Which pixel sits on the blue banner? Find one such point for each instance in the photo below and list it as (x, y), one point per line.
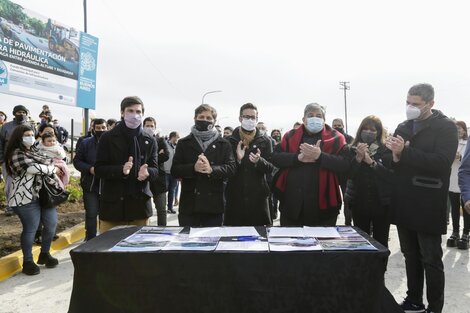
(86, 83)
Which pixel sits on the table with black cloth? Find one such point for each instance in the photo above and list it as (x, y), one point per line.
(251, 282)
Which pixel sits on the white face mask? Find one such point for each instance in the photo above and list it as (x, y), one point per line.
(314, 124)
(248, 124)
(28, 141)
(132, 120)
(262, 132)
(412, 112)
(149, 130)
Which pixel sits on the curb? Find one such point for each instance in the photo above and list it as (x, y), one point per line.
(12, 263)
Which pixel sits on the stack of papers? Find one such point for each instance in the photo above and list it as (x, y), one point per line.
(151, 238)
(148, 239)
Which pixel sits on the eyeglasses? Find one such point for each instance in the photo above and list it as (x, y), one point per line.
(249, 117)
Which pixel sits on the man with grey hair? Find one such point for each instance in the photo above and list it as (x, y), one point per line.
(423, 149)
(309, 159)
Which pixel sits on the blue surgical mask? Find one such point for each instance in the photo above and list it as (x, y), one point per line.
(314, 124)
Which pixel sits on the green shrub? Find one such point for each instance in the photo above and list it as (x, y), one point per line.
(76, 193)
(3, 198)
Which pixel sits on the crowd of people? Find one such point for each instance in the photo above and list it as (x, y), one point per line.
(245, 176)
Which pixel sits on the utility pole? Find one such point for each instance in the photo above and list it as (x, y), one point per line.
(85, 111)
(345, 86)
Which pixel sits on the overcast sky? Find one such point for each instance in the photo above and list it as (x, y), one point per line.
(279, 55)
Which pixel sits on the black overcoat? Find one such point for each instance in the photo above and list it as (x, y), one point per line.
(116, 203)
(202, 193)
(421, 179)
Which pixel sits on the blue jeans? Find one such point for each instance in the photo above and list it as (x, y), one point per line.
(30, 215)
(423, 256)
(91, 201)
(172, 184)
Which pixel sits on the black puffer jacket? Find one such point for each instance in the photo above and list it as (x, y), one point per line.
(369, 189)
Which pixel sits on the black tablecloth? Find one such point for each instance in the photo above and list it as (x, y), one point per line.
(251, 282)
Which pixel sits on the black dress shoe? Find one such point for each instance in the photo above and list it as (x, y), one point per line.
(171, 211)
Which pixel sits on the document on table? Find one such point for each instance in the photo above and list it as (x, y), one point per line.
(293, 244)
(192, 244)
(222, 232)
(348, 233)
(341, 244)
(321, 232)
(148, 238)
(286, 232)
(243, 244)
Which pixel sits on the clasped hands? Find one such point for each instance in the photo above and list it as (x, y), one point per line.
(203, 165)
(143, 170)
(309, 153)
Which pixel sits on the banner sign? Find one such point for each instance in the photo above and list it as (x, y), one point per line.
(43, 59)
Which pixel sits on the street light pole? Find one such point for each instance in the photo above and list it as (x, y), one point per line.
(85, 111)
(204, 95)
(345, 86)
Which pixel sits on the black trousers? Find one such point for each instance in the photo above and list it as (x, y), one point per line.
(376, 226)
(456, 203)
(423, 256)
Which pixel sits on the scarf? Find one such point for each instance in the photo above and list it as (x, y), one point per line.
(373, 147)
(247, 138)
(331, 142)
(22, 159)
(205, 138)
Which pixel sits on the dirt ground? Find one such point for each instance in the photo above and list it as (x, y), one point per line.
(69, 214)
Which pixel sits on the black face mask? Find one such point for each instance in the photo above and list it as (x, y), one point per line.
(368, 137)
(203, 125)
(98, 133)
(20, 118)
(340, 129)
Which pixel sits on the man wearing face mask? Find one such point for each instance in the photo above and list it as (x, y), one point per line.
(126, 163)
(339, 126)
(20, 114)
(158, 187)
(247, 191)
(423, 149)
(84, 161)
(309, 159)
(202, 161)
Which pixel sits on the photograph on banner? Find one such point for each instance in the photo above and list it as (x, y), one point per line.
(44, 59)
